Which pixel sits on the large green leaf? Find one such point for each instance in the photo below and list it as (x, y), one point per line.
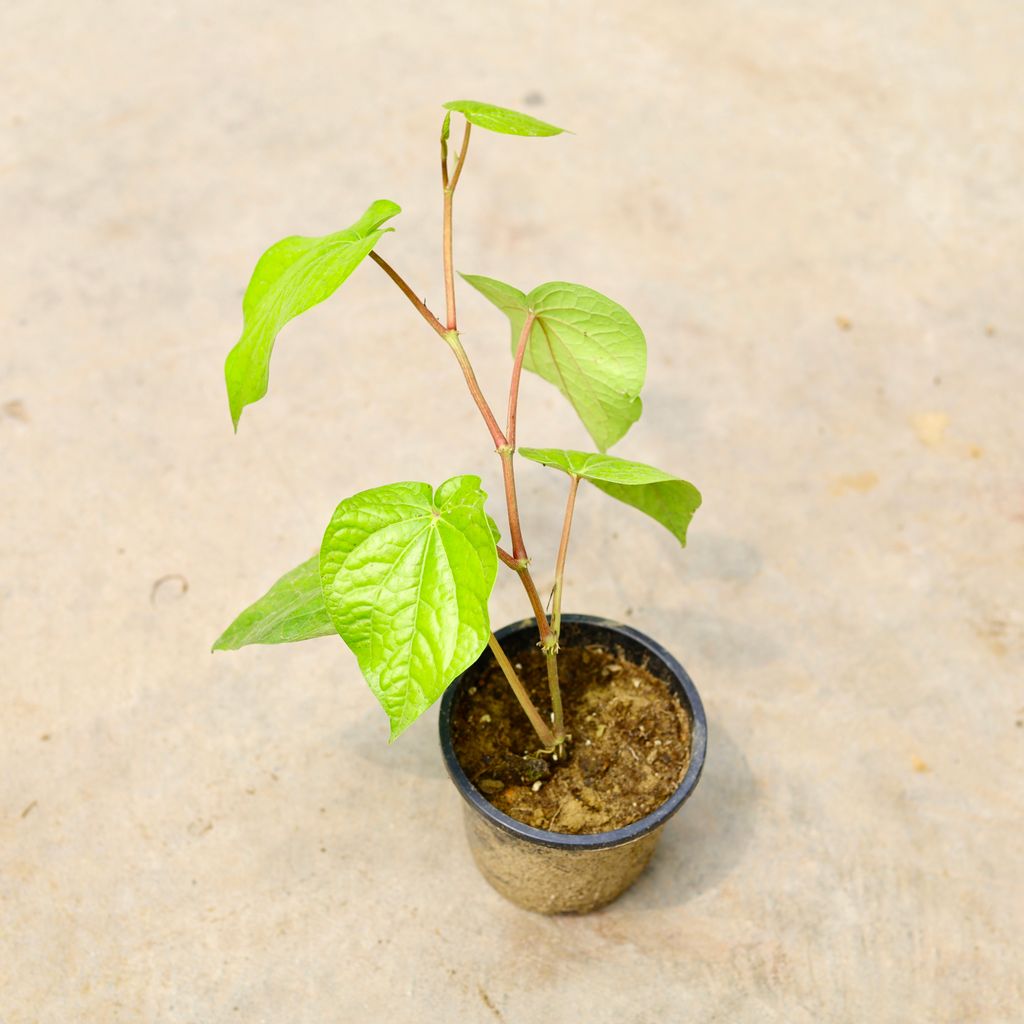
(500, 119)
(292, 609)
(406, 575)
(662, 496)
(290, 277)
(589, 347)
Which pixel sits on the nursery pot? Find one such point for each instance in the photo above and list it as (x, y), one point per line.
(554, 872)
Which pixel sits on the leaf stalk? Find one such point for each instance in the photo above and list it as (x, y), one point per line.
(421, 306)
(563, 548)
(517, 372)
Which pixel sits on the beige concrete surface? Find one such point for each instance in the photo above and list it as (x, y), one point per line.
(814, 210)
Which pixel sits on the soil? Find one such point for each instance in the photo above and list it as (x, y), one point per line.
(629, 747)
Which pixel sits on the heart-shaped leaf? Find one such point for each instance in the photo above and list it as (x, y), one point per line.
(292, 276)
(660, 495)
(292, 609)
(406, 575)
(500, 119)
(585, 344)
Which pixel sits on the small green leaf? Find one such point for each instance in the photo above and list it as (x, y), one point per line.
(585, 344)
(292, 609)
(500, 119)
(660, 495)
(406, 575)
(292, 276)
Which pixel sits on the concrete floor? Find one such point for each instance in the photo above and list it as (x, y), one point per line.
(817, 217)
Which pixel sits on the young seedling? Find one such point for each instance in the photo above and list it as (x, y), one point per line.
(405, 570)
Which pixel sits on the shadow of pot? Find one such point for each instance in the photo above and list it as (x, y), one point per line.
(555, 872)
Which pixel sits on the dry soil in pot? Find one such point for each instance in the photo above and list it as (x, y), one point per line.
(629, 750)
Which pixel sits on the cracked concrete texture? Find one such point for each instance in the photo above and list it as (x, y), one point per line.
(817, 218)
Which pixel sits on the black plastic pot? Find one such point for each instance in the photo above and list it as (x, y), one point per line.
(553, 872)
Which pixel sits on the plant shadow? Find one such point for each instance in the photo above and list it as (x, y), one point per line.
(708, 837)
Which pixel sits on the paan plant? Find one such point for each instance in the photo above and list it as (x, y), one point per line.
(405, 570)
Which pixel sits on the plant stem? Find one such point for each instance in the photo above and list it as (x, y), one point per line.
(449, 275)
(452, 338)
(519, 565)
(538, 723)
(507, 558)
(563, 547)
(508, 453)
(444, 149)
(548, 633)
(519, 560)
(461, 158)
(504, 444)
(517, 372)
(531, 590)
(514, 527)
(449, 192)
(551, 660)
(408, 292)
(551, 647)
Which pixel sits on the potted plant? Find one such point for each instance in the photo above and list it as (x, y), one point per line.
(571, 739)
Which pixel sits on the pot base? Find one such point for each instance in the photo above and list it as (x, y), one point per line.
(549, 881)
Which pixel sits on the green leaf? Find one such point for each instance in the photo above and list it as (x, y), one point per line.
(589, 347)
(292, 276)
(500, 119)
(292, 609)
(511, 301)
(406, 575)
(660, 495)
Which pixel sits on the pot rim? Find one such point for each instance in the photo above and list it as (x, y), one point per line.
(596, 840)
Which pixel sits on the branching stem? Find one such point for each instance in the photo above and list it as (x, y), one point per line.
(507, 558)
(504, 443)
(548, 632)
(451, 338)
(522, 570)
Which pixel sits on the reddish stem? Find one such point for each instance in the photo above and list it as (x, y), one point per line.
(408, 292)
(517, 372)
(449, 192)
(452, 338)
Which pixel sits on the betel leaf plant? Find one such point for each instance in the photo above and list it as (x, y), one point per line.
(405, 570)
